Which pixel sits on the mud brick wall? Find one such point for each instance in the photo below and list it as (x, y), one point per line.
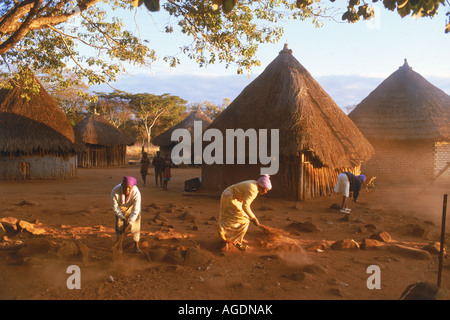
(442, 158)
(410, 160)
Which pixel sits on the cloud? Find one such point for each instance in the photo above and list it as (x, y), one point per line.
(190, 87)
(346, 90)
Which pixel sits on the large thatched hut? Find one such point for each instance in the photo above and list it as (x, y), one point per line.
(407, 120)
(106, 145)
(317, 140)
(164, 140)
(37, 141)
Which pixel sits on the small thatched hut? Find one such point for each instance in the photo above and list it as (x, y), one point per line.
(317, 140)
(106, 145)
(407, 120)
(37, 141)
(164, 139)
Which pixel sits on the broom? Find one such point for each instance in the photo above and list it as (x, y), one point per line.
(117, 247)
(278, 235)
(271, 231)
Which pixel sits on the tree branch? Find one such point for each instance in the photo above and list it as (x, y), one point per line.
(21, 31)
(73, 58)
(12, 25)
(76, 38)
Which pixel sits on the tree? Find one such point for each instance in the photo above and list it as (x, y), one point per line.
(210, 109)
(149, 109)
(74, 101)
(38, 33)
(113, 107)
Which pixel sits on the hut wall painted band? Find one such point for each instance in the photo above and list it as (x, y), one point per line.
(38, 167)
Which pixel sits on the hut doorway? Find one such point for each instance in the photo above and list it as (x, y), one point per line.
(24, 168)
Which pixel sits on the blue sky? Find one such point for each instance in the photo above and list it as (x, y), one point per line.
(348, 60)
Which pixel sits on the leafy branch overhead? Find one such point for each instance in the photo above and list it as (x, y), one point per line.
(417, 8)
(88, 38)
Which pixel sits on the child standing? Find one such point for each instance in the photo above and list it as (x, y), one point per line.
(166, 175)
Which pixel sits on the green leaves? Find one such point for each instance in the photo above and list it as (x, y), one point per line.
(152, 5)
(447, 27)
(302, 4)
(96, 45)
(418, 8)
(228, 5)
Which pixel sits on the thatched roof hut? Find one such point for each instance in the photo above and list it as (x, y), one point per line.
(407, 120)
(37, 141)
(106, 145)
(164, 139)
(316, 138)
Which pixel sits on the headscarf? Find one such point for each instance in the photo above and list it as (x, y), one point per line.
(264, 182)
(362, 177)
(129, 181)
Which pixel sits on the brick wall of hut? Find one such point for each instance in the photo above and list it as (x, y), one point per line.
(412, 161)
(442, 160)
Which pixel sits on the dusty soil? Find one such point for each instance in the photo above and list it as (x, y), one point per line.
(296, 265)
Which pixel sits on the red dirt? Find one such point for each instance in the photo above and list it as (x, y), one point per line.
(282, 267)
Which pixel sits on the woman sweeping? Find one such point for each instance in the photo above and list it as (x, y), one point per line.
(126, 205)
(235, 211)
(348, 184)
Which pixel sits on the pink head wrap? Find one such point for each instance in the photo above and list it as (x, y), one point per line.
(264, 182)
(129, 181)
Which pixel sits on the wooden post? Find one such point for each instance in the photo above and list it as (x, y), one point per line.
(302, 159)
(441, 252)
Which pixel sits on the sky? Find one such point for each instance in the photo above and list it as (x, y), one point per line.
(348, 60)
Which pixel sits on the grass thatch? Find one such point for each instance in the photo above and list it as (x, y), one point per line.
(35, 125)
(164, 139)
(286, 97)
(96, 130)
(405, 106)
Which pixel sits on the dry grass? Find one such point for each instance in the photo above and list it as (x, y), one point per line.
(117, 247)
(277, 236)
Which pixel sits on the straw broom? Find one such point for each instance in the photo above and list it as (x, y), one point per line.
(271, 231)
(117, 247)
(277, 236)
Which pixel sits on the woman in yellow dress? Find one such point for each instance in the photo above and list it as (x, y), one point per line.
(235, 211)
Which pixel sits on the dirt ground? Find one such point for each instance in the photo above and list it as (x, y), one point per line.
(183, 258)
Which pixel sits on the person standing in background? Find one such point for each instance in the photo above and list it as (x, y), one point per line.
(145, 162)
(166, 174)
(158, 163)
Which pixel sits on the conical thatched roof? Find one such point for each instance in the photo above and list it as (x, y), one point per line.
(31, 125)
(404, 106)
(94, 129)
(164, 139)
(286, 97)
